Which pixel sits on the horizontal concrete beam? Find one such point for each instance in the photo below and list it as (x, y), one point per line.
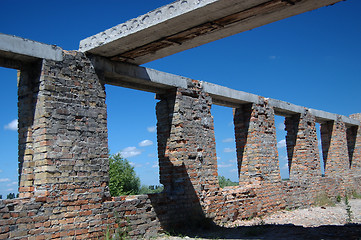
(150, 80)
(16, 50)
(186, 24)
(135, 77)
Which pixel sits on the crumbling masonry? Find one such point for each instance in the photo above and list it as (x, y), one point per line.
(63, 151)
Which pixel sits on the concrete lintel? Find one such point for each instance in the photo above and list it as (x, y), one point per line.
(132, 76)
(285, 108)
(24, 50)
(322, 116)
(227, 96)
(186, 24)
(150, 80)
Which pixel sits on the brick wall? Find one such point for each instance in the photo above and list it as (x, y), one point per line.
(63, 160)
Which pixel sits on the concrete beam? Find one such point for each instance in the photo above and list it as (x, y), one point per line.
(186, 24)
(135, 77)
(14, 51)
(150, 80)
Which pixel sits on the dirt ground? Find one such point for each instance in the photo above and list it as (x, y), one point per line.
(312, 223)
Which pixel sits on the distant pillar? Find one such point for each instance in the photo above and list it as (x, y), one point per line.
(334, 148)
(354, 145)
(256, 143)
(302, 147)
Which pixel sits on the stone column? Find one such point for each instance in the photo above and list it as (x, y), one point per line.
(302, 147)
(186, 147)
(28, 88)
(354, 146)
(256, 143)
(334, 148)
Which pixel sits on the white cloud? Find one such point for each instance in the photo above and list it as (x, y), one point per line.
(281, 126)
(285, 166)
(10, 189)
(130, 152)
(151, 129)
(152, 155)
(228, 140)
(145, 143)
(281, 144)
(155, 165)
(135, 164)
(233, 160)
(219, 158)
(1, 171)
(13, 125)
(233, 170)
(4, 180)
(229, 150)
(225, 165)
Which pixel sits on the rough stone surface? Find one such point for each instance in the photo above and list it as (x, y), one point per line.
(63, 160)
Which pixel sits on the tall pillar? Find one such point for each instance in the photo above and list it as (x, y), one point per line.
(186, 147)
(334, 148)
(354, 146)
(302, 147)
(28, 88)
(256, 143)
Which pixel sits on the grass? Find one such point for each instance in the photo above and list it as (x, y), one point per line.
(323, 200)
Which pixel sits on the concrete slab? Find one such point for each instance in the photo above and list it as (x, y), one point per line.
(186, 24)
(16, 49)
(150, 80)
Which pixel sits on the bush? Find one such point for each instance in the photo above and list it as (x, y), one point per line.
(122, 177)
(225, 182)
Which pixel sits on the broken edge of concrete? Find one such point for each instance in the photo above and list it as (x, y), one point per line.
(21, 49)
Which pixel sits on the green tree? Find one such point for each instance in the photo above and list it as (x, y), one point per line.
(224, 182)
(10, 196)
(122, 177)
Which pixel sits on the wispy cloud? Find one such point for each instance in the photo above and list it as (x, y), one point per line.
(13, 125)
(228, 140)
(1, 171)
(281, 126)
(281, 144)
(151, 129)
(229, 150)
(273, 57)
(145, 143)
(4, 180)
(233, 160)
(135, 164)
(155, 165)
(130, 152)
(225, 165)
(233, 170)
(285, 166)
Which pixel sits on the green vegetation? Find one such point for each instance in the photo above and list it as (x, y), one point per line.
(225, 182)
(348, 210)
(323, 199)
(123, 179)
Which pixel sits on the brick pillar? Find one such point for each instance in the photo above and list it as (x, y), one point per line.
(256, 143)
(28, 88)
(186, 146)
(354, 145)
(334, 148)
(302, 147)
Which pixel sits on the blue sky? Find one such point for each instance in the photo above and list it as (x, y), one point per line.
(311, 60)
